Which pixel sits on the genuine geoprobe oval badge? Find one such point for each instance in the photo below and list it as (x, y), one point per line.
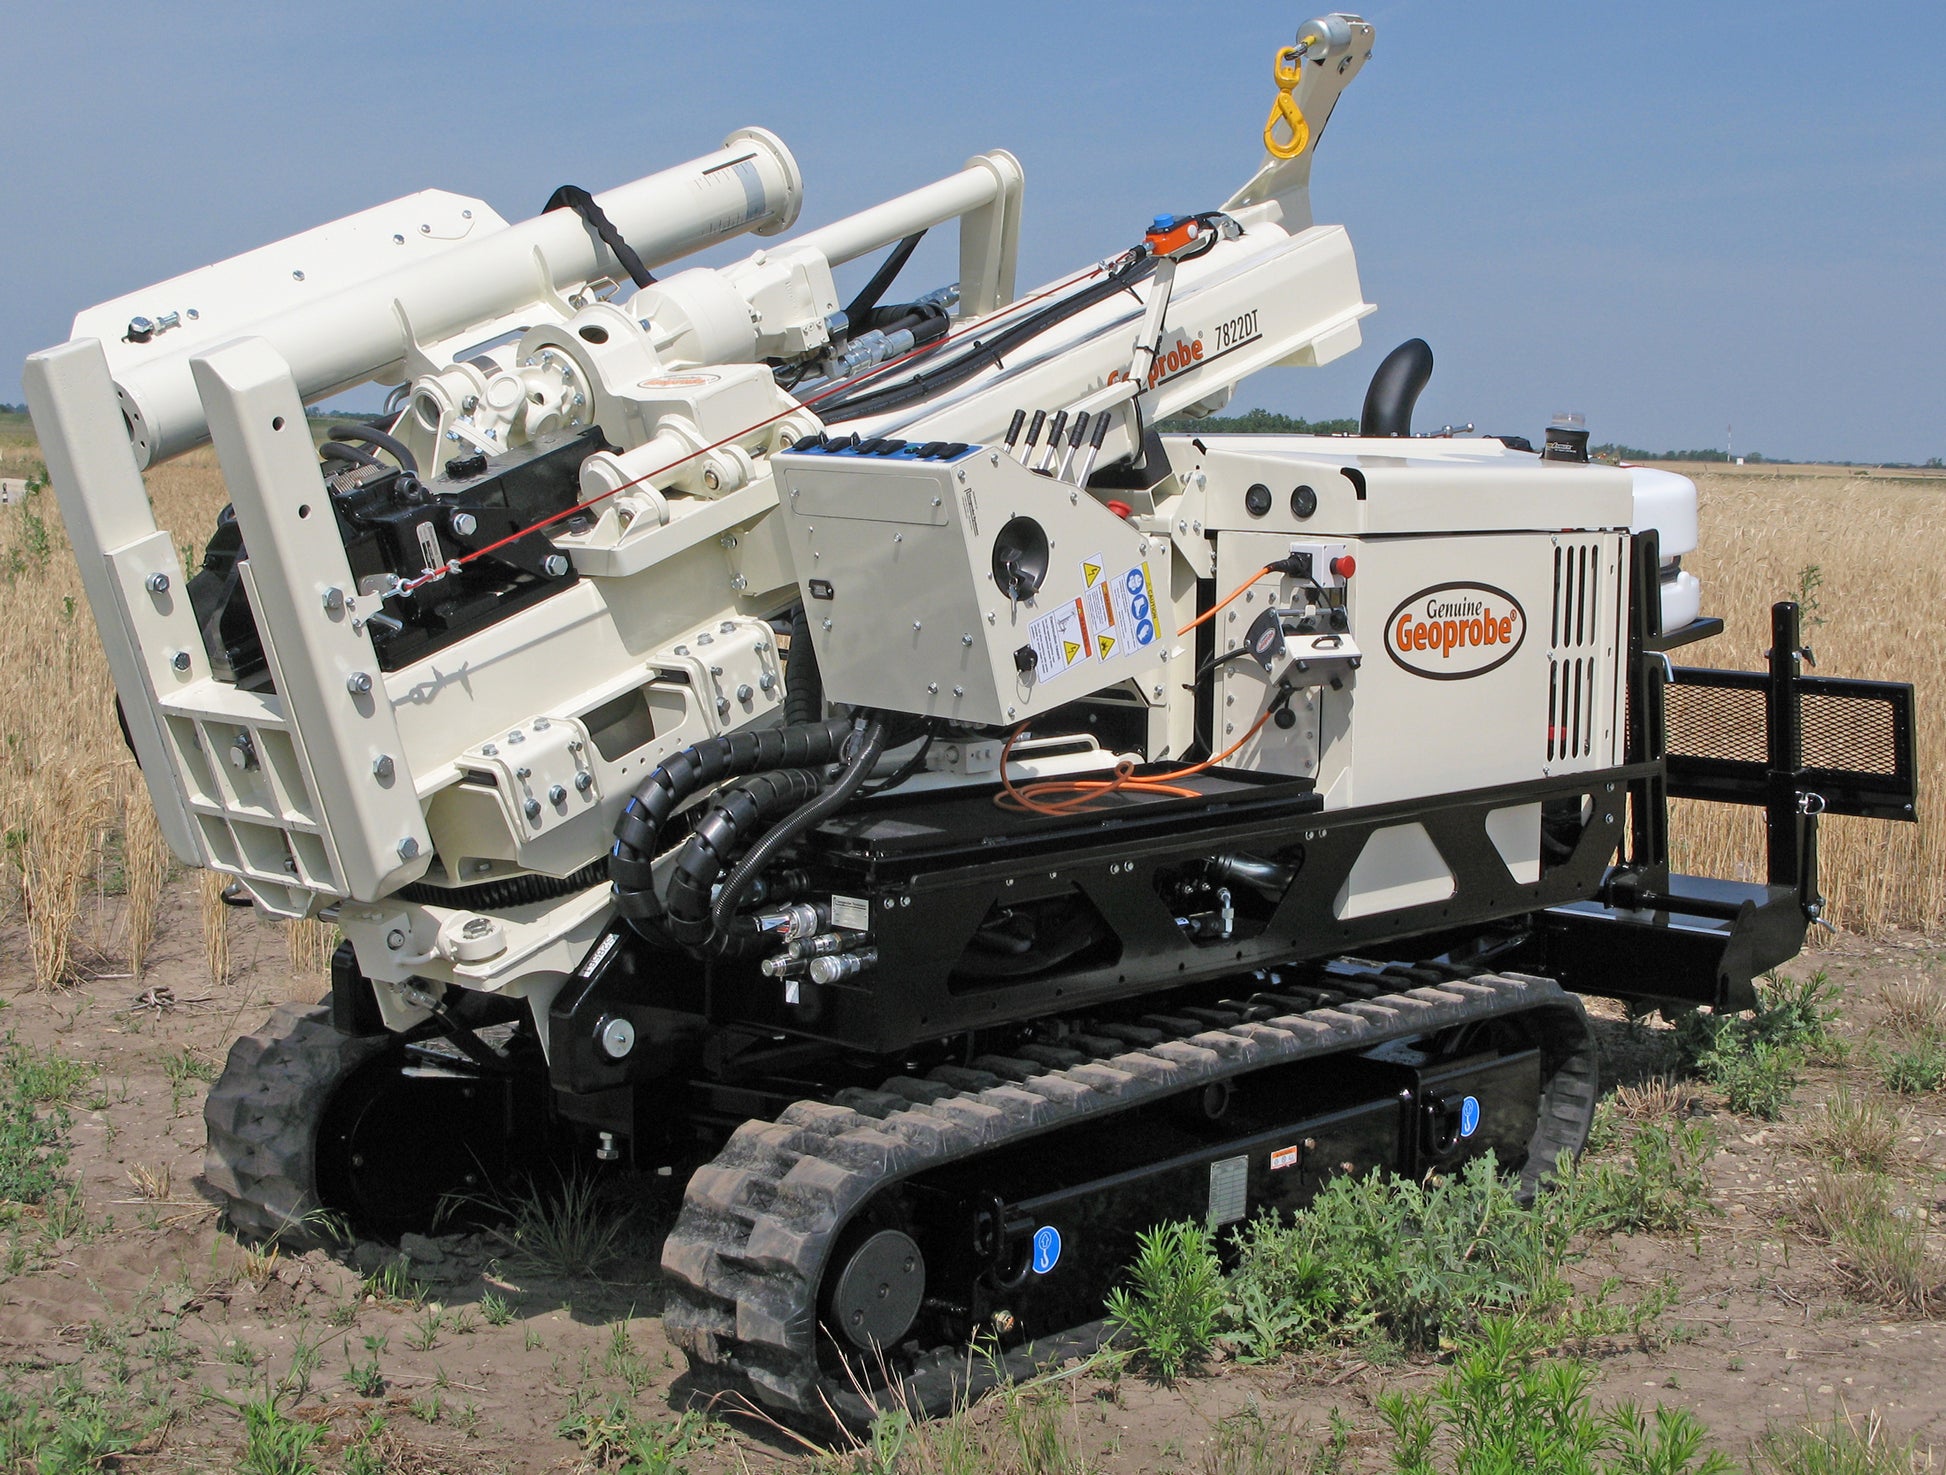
(1452, 631)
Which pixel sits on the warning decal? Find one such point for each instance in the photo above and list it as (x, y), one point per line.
(1060, 640)
(1283, 1157)
(1130, 610)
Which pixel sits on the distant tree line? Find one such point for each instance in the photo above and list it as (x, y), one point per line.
(1255, 422)
(1613, 451)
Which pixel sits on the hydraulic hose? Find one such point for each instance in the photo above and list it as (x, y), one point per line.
(371, 435)
(734, 812)
(864, 754)
(878, 399)
(803, 684)
(638, 832)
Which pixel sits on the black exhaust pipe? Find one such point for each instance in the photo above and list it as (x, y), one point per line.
(1395, 390)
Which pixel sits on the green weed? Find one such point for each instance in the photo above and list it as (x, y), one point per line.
(1660, 1187)
(612, 1437)
(496, 1309)
(1171, 1308)
(1914, 1068)
(1494, 1413)
(276, 1444)
(35, 1087)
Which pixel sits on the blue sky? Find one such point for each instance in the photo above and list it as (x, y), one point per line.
(1670, 217)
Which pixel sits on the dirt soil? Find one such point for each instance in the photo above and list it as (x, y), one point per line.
(149, 1292)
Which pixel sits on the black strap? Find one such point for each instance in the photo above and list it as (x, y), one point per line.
(574, 197)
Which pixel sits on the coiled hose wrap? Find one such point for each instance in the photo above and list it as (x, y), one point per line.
(734, 814)
(638, 832)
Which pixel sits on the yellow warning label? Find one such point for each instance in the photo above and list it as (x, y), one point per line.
(1107, 643)
(1090, 574)
(1072, 650)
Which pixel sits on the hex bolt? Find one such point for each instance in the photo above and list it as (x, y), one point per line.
(382, 768)
(555, 566)
(722, 706)
(533, 808)
(408, 849)
(557, 795)
(358, 683)
(523, 772)
(491, 750)
(583, 781)
(463, 524)
(744, 692)
(180, 660)
(766, 681)
(157, 583)
(827, 625)
(395, 939)
(541, 724)
(728, 627)
(932, 688)
(966, 640)
(334, 600)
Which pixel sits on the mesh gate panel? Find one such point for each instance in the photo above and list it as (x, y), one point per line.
(1717, 722)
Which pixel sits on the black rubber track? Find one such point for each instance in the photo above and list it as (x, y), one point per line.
(263, 1115)
(745, 1260)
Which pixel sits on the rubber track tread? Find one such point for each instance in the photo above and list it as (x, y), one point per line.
(745, 1260)
(262, 1119)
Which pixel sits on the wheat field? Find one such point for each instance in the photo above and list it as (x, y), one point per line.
(75, 824)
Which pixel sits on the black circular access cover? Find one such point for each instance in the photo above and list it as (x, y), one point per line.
(1304, 501)
(1020, 558)
(879, 1290)
(1256, 501)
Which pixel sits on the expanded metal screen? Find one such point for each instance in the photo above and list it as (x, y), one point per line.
(1856, 742)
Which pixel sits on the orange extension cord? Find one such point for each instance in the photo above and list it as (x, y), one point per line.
(1082, 792)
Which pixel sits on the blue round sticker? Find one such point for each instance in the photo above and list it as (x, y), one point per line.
(1469, 1116)
(1047, 1249)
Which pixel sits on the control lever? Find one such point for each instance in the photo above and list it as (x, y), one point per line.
(1053, 451)
(1093, 452)
(1013, 429)
(1075, 438)
(1033, 436)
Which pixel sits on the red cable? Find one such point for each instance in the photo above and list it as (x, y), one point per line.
(406, 586)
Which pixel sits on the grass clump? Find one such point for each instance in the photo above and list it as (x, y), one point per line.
(1495, 1413)
(1661, 1186)
(35, 1087)
(1171, 1308)
(1839, 1446)
(573, 1232)
(1416, 1262)
(1754, 1059)
(613, 1438)
(1878, 1242)
(72, 1431)
(274, 1443)
(1854, 1132)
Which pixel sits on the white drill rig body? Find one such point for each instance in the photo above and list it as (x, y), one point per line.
(510, 751)
(844, 738)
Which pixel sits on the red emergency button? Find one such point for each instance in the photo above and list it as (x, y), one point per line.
(1344, 565)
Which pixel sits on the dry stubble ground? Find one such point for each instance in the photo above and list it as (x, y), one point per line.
(142, 1296)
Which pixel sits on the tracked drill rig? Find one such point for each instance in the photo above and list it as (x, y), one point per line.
(841, 755)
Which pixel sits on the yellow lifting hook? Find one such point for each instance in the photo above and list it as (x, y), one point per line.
(1287, 67)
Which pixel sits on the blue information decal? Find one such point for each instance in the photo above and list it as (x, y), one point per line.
(1047, 1249)
(1469, 1116)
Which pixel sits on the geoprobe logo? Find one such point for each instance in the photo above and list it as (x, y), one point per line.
(1452, 631)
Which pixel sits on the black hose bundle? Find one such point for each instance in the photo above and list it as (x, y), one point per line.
(735, 811)
(348, 437)
(638, 832)
(803, 684)
(861, 759)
